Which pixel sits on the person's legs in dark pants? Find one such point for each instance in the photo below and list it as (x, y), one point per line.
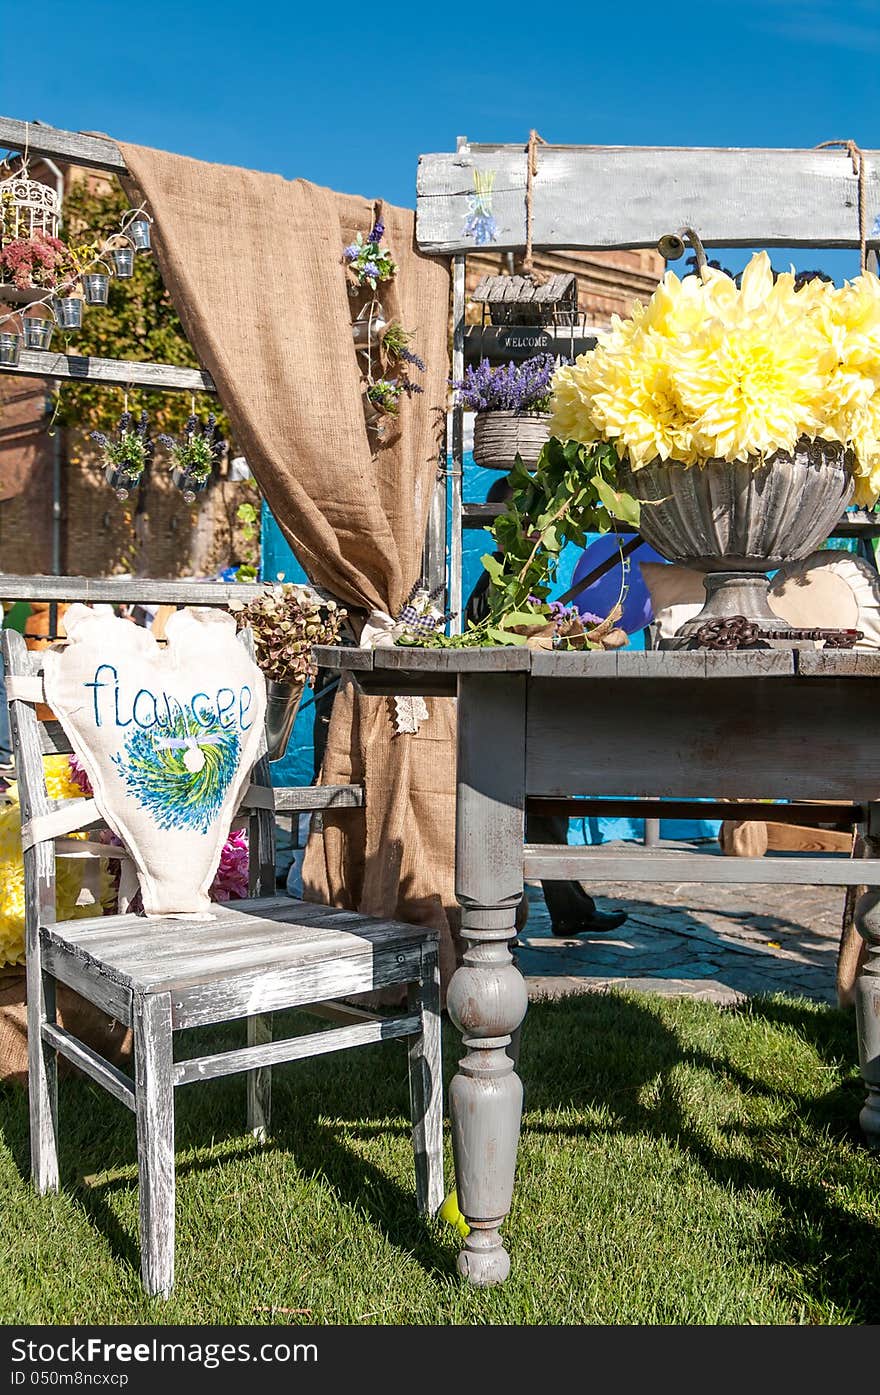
(572, 911)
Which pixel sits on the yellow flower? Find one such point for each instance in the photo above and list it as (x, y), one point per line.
(69, 874)
(711, 369)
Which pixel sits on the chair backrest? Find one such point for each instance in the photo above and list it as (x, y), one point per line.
(47, 821)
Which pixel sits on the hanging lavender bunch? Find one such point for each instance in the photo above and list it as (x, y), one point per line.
(129, 450)
(511, 387)
(198, 450)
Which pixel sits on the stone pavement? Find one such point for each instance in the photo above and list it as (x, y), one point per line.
(720, 943)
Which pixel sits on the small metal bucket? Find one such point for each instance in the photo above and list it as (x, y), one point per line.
(38, 331)
(368, 330)
(96, 287)
(139, 232)
(282, 705)
(68, 311)
(10, 350)
(123, 262)
(120, 481)
(188, 486)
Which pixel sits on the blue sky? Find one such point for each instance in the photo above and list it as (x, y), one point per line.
(348, 95)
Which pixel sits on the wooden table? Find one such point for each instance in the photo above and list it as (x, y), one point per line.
(782, 725)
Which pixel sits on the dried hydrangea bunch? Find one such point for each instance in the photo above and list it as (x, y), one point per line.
(286, 624)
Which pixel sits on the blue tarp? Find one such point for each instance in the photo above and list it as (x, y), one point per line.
(279, 564)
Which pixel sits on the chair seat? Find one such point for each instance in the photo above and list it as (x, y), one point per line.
(251, 957)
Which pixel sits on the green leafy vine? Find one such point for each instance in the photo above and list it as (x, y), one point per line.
(572, 492)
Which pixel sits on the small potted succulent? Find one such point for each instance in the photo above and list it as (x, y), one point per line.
(126, 454)
(37, 263)
(195, 455)
(512, 406)
(287, 622)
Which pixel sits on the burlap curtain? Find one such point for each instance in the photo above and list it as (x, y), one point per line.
(253, 264)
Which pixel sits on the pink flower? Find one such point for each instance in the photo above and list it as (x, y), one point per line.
(79, 776)
(231, 882)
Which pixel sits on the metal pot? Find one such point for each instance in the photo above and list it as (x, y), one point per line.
(10, 350)
(499, 436)
(188, 485)
(96, 287)
(367, 331)
(139, 232)
(38, 331)
(738, 520)
(68, 311)
(123, 262)
(282, 705)
(120, 481)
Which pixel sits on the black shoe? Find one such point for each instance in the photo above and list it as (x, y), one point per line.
(597, 923)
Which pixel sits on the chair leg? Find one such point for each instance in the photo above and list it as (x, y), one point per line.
(42, 1070)
(154, 1088)
(426, 1088)
(259, 1082)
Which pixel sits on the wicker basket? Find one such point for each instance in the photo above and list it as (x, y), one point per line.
(499, 436)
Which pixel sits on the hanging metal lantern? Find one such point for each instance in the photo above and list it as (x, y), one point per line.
(28, 207)
(10, 350)
(68, 311)
(123, 261)
(38, 331)
(96, 287)
(139, 232)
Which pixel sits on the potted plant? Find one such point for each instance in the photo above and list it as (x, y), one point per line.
(512, 407)
(287, 622)
(195, 455)
(126, 454)
(368, 261)
(33, 264)
(744, 417)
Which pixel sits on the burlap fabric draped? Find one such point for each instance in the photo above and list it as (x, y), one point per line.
(253, 264)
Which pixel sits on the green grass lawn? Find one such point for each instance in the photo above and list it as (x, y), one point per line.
(680, 1163)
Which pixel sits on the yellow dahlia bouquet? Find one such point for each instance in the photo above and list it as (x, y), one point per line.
(711, 370)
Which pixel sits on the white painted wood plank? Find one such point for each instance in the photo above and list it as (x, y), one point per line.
(104, 1072)
(102, 986)
(200, 1003)
(551, 862)
(93, 152)
(154, 1088)
(119, 372)
(273, 1053)
(630, 196)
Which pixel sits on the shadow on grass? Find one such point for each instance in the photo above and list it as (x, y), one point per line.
(615, 1047)
(318, 1105)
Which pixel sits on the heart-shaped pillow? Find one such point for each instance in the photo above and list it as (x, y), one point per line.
(167, 736)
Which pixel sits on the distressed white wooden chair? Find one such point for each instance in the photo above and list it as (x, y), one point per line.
(162, 975)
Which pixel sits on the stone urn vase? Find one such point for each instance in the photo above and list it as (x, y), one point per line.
(738, 521)
(500, 436)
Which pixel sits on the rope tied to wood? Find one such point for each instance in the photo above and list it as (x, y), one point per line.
(857, 156)
(527, 267)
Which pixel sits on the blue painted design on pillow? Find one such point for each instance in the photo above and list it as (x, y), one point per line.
(180, 773)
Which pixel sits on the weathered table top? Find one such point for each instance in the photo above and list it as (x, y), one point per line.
(621, 663)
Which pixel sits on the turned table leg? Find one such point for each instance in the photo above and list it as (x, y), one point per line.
(487, 996)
